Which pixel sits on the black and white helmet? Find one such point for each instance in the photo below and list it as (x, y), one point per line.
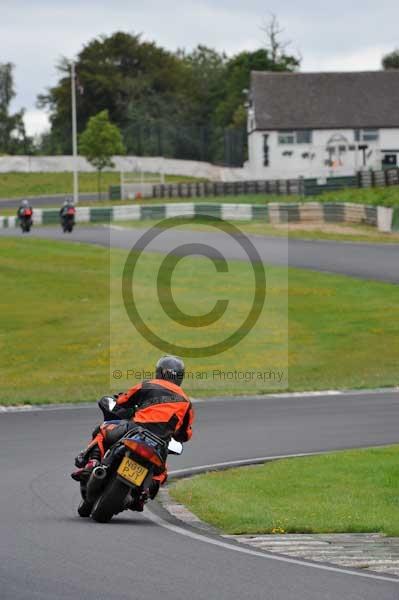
(170, 368)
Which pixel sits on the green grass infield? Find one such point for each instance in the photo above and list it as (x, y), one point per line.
(355, 491)
(60, 324)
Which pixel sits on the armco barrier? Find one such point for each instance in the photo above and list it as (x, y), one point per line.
(274, 212)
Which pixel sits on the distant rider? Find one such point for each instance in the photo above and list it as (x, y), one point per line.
(25, 210)
(67, 211)
(160, 405)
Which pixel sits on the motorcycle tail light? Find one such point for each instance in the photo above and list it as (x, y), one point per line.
(143, 451)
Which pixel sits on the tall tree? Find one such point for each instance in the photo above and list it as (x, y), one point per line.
(391, 60)
(203, 83)
(276, 47)
(238, 75)
(175, 105)
(131, 78)
(13, 138)
(100, 141)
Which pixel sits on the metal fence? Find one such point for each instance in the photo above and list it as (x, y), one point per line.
(362, 179)
(276, 187)
(218, 145)
(228, 188)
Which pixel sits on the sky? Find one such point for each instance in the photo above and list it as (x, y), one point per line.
(334, 36)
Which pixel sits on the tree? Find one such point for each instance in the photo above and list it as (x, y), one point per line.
(13, 138)
(391, 61)
(100, 141)
(170, 104)
(276, 48)
(203, 82)
(131, 78)
(238, 75)
(273, 57)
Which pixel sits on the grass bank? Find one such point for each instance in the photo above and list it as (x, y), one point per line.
(20, 185)
(55, 343)
(355, 491)
(328, 231)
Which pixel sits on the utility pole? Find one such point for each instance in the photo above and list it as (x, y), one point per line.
(74, 136)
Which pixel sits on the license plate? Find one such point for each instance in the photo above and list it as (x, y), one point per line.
(132, 471)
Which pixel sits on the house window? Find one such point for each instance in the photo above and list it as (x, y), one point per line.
(286, 137)
(302, 136)
(367, 135)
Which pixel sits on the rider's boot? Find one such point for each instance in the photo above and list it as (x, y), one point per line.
(86, 461)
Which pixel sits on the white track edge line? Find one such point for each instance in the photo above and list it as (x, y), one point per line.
(215, 542)
(244, 550)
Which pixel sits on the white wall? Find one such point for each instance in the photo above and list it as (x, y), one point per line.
(190, 168)
(285, 167)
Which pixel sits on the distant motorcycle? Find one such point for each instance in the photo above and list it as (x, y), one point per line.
(26, 220)
(68, 219)
(126, 470)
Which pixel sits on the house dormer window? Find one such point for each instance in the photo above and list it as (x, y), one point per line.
(367, 135)
(301, 136)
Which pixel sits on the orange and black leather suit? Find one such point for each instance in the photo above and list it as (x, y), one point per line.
(159, 405)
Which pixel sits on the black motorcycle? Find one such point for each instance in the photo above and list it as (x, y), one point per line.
(125, 472)
(68, 221)
(26, 221)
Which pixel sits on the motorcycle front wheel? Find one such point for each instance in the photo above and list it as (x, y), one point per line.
(110, 502)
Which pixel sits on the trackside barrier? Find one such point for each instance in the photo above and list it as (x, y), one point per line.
(386, 219)
(300, 186)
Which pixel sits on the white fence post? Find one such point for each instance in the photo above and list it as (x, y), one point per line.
(384, 218)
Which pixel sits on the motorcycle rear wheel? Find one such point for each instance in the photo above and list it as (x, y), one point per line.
(110, 502)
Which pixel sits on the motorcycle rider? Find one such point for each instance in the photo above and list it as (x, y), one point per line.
(67, 211)
(159, 405)
(25, 210)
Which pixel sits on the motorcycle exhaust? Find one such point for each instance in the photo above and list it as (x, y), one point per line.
(95, 483)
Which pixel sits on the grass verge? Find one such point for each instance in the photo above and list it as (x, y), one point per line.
(21, 185)
(328, 231)
(55, 324)
(356, 491)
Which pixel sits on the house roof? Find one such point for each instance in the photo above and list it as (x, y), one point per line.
(325, 100)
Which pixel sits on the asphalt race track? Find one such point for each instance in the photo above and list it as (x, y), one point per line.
(47, 201)
(47, 552)
(368, 261)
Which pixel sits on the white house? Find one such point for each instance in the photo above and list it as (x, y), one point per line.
(322, 124)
